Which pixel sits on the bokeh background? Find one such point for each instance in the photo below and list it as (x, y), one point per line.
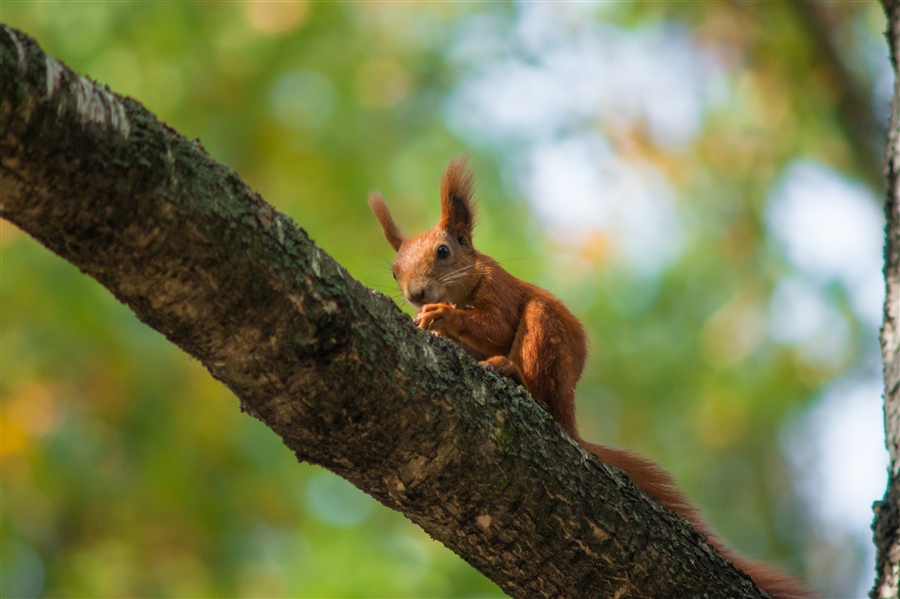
(699, 181)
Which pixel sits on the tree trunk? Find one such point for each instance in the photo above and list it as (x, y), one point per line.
(887, 512)
(335, 369)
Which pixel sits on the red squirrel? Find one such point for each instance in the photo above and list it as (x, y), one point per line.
(521, 331)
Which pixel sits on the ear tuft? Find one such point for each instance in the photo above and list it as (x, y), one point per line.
(392, 232)
(457, 203)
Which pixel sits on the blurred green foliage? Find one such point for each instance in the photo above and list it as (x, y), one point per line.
(126, 470)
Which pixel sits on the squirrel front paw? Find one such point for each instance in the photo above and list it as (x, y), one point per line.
(432, 316)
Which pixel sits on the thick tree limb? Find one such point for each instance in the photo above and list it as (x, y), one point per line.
(887, 513)
(335, 369)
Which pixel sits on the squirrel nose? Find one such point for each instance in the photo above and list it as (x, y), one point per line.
(417, 296)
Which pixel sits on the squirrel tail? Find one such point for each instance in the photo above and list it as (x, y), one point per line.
(658, 483)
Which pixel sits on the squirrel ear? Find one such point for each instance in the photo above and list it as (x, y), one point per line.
(457, 210)
(391, 231)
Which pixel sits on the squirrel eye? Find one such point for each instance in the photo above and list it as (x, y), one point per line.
(393, 274)
(443, 252)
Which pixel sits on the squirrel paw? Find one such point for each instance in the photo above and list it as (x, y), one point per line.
(503, 367)
(431, 316)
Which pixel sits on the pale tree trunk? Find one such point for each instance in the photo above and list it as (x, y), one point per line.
(887, 513)
(335, 369)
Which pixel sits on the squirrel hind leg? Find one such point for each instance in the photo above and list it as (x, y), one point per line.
(503, 366)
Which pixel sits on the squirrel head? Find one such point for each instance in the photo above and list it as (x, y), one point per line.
(437, 266)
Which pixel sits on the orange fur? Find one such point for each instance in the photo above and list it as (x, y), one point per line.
(522, 331)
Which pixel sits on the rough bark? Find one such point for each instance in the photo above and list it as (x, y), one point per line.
(335, 369)
(887, 511)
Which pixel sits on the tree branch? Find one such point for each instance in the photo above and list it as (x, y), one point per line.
(887, 511)
(862, 131)
(335, 369)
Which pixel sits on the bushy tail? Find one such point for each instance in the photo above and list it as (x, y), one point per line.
(766, 576)
(656, 482)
